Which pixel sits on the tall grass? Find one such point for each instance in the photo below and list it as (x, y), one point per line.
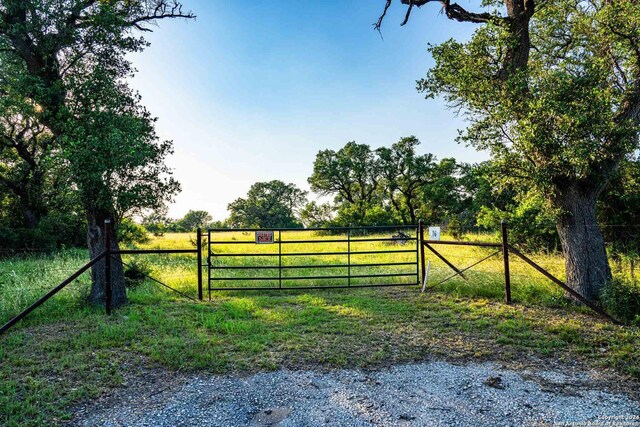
(26, 278)
(23, 279)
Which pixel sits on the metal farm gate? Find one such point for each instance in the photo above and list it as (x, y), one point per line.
(312, 258)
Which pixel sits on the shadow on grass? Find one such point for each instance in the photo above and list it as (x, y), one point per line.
(59, 356)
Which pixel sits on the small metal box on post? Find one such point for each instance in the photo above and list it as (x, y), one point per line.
(107, 266)
(199, 258)
(505, 256)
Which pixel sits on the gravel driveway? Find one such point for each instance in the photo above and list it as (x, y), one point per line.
(425, 394)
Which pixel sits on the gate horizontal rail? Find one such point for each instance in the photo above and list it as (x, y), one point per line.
(312, 253)
(353, 276)
(355, 227)
(379, 285)
(284, 267)
(247, 242)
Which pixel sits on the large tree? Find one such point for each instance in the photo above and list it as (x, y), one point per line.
(440, 197)
(63, 63)
(552, 89)
(405, 173)
(351, 175)
(315, 214)
(387, 185)
(272, 204)
(194, 219)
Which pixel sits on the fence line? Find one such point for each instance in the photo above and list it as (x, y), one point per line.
(461, 271)
(506, 248)
(421, 245)
(49, 294)
(156, 280)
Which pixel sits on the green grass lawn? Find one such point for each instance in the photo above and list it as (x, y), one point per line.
(66, 352)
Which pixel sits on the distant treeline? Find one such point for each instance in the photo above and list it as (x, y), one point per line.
(385, 186)
(396, 185)
(388, 185)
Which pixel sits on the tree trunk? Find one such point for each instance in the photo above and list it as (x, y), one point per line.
(586, 262)
(398, 209)
(32, 210)
(412, 211)
(95, 241)
(30, 216)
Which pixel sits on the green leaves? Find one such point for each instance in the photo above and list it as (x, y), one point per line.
(64, 69)
(390, 185)
(272, 204)
(563, 116)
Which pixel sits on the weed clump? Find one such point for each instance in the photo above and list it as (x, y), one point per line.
(621, 299)
(136, 273)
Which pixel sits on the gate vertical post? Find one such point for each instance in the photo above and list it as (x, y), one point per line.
(199, 259)
(505, 255)
(349, 256)
(418, 254)
(280, 259)
(421, 238)
(107, 266)
(209, 262)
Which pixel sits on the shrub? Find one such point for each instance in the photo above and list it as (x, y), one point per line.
(530, 224)
(129, 232)
(455, 229)
(622, 300)
(135, 274)
(54, 231)
(9, 238)
(63, 229)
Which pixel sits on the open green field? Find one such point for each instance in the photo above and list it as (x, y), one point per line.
(66, 352)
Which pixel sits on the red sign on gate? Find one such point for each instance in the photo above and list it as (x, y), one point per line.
(264, 236)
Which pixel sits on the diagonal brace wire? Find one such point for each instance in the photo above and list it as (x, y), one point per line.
(156, 280)
(463, 270)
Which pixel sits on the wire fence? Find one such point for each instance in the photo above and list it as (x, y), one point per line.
(24, 266)
(24, 276)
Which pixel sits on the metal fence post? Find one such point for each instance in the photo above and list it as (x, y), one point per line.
(199, 249)
(209, 262)
(280, 259)
(505, 255)
(107, 266)
(349, 257)
(421, 238)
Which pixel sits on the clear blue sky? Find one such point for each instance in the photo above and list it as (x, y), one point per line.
(251, 91)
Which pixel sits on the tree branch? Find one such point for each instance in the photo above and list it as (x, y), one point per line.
(456, 12)
(406, 17)
(378, 24)
(162, 10)
(453, 11)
